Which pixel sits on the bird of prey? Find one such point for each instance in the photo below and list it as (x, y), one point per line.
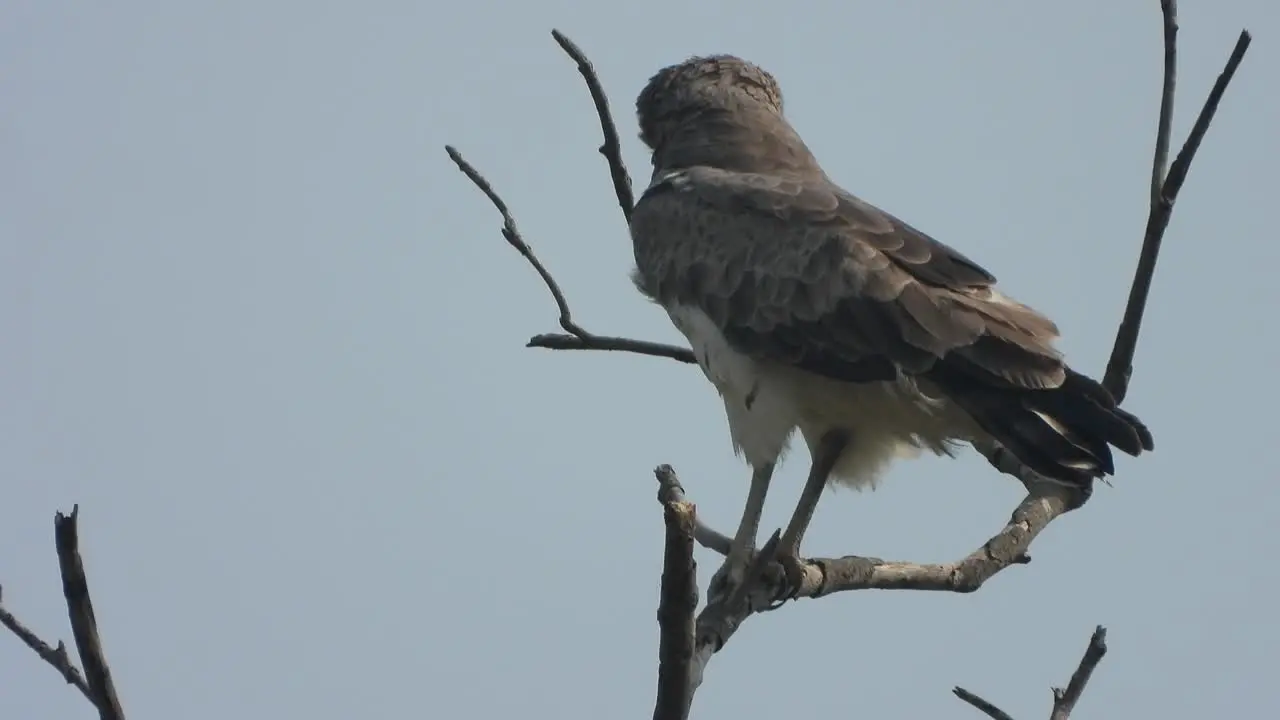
(809, 309)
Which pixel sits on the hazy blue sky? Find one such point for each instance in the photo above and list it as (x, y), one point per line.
(269, 338)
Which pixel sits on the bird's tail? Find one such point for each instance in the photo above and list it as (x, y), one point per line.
(1064, 433)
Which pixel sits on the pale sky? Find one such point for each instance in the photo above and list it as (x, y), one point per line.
(268, 337)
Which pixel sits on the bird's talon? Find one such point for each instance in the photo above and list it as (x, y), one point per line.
(793, 578)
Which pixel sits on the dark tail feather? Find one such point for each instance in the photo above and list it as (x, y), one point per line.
(1065, 433)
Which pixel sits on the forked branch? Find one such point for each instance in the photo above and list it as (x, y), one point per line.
(1164, 192)
(84, 626)
(1064, 699)
(678, 601)
(95, 683)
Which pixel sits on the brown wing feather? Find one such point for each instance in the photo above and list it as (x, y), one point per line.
(852, 285)
(801, 272)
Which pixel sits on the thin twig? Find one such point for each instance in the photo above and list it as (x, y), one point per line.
(1064, 701)
(84, 627)
(578, 338)
(514, 239)
(57, 657)
(1120, 365)
(1182, 163)
(557, 341)
(983, 705)
(679, 600)
(1164, 126)
(611, 149)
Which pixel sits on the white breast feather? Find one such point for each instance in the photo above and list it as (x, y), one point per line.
(765, 403)
(761, 413)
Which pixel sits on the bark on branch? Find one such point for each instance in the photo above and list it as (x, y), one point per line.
(723, 615)
(84, 626)
(678, 601)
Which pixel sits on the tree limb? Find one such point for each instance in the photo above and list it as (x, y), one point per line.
(679, 600)
(1164, 191)
(723, 615)
(56, 657)
(558, 341)
(1064, 701)
(986, 707)
(84, 627)
(611, 149)
(95, 683)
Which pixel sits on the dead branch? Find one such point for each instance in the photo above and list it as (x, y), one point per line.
(1064, 701)
(95, 683)
(1164, 191)
(984, 706)
(1045, 501)
(57, 657)
(577, 338)
(611, 148)
(679, 600)
(723, 615)
(84, 627)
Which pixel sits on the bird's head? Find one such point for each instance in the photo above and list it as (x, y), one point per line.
(720, 111)
(700, 90)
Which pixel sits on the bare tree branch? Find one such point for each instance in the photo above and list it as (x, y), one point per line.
(986, 707)
(1064, 701)
(1164, 124)
(679, 600)
(56, 657)
(95, 683)
(512, 235)
(577, 338)
(1164, 191)
(670, 491)
(84, 627)
(611, 149)
(723, 615)
(558, 341)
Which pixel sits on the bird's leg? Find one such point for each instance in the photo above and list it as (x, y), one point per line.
(825, 454)
(743, 545)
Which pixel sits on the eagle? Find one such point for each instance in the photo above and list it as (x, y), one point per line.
(810, 309)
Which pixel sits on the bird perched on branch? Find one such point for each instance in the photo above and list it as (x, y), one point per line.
(809, 309)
